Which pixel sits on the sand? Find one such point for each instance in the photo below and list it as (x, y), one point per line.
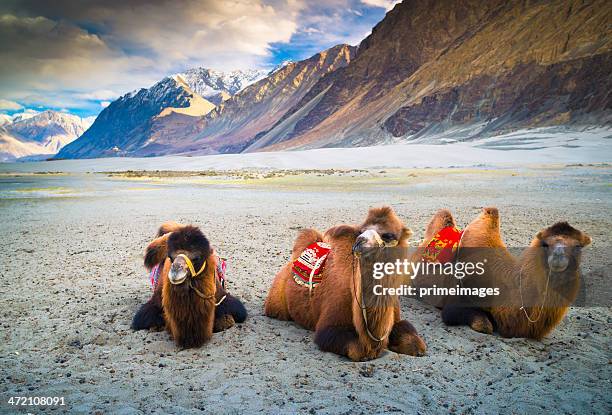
(71, 265)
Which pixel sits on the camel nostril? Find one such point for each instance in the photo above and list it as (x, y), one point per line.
(359, 243)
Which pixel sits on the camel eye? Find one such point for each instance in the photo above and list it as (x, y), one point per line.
(388, 237)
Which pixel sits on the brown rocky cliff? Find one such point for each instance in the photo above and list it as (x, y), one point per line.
(439, 64)
(234, 123)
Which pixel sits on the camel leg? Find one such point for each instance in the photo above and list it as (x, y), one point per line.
(150, 315)
(229, 312)
(404, 339)
(233, 306)
(223, 322)
(477, 319)
(343, 341)
(276, 302)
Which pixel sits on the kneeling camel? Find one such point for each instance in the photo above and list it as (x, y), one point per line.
(188, 298)
(547, 272)
(334, 309)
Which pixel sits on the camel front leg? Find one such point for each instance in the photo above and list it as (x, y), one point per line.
(343, 341)
(276, 302)
(477, 319)
(223, 322)
(404, 339)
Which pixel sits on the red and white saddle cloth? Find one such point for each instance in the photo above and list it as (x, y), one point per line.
(220, 272)
(443, 246)
(308, 267)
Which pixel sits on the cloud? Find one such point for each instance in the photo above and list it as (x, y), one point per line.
(9, 105)
(104, 104)
(63, 54)
(385, 4)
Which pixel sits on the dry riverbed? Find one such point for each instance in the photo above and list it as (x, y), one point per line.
(71, 263)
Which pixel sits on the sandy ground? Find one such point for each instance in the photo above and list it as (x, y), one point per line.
(71, 265)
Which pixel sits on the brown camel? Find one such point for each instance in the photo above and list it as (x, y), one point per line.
(188, 299)
(333, 309)
(545, 278)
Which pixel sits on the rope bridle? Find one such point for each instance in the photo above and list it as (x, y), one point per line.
(540, 312)
(364, 311)
(194, 274)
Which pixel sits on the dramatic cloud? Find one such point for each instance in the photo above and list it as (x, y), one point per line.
(9, 105)
(385, 4)
(77, 55)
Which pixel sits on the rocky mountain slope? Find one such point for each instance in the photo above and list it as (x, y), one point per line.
(172, 107)
(234, 125)
(126, 124)
(432, 66)
(40, 134)
(429, 71)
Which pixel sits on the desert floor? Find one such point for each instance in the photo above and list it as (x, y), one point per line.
(71, 266)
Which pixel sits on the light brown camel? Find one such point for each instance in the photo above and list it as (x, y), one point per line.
(334, 307)
(189, 299)
(540, 284)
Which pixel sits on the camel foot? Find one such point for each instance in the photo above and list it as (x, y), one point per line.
(223, 323)
(482, 324)
(149, 316)
(404, 339)
(357, 352)
(477, 319)
(343, 341)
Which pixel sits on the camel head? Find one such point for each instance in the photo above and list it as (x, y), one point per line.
(188, 250)
(562, 244)
(382, 228)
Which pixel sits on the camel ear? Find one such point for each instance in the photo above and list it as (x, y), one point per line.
(156, 252)
(585, 240)
(406, 234)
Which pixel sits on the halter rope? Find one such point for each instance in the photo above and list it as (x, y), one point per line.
(195, 274)
(529, 318)
(364, 309)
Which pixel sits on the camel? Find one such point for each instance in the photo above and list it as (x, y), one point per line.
(540, 283)
(335, 308)
(189, 299)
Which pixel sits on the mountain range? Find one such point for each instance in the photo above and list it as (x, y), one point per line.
(430, 70)
(42, 134)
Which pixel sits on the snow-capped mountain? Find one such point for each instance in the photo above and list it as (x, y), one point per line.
(5, 119)
(36, 134)
(128, 122)
(217, 86)
(174, 104)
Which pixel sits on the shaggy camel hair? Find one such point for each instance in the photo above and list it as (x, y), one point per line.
(187, 308)
(547, 272)
(333, 309)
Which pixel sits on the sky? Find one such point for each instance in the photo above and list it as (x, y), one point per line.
(78, 55)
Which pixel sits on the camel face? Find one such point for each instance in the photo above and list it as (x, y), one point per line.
(562, 245)
(188, 249)
(382, 228)
(367, 240)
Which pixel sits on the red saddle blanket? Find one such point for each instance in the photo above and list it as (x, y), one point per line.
(443, 246)
(308, 267)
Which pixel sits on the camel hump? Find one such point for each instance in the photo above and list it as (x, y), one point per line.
(167, 227)
(305, 238)
(445, 218)
(491, 211)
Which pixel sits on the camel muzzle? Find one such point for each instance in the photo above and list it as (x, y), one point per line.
(368, 240)
(558, 260)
